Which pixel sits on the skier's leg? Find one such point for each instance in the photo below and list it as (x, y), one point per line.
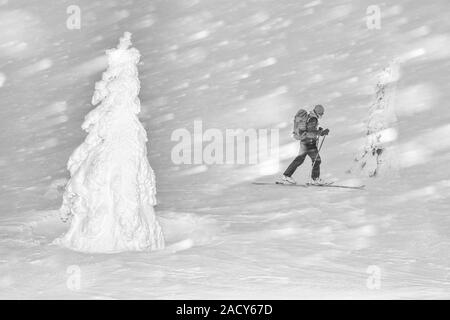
(294, 165)
(296, 162)
(313, 153)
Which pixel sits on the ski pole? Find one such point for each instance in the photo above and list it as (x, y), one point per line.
(318, 151)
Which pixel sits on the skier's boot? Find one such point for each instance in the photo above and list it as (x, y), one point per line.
(286, 180)
(320, 181)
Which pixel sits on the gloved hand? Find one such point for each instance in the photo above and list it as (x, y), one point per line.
(324, 132)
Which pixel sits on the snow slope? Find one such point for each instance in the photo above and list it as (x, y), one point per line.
(232, 64)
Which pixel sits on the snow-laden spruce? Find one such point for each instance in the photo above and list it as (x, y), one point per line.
(378, 154)
(110, 196)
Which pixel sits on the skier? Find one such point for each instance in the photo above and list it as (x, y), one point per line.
(307, 131)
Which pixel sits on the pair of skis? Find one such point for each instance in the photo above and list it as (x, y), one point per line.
(307, 185)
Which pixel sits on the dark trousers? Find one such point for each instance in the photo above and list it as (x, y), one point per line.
(305, 150)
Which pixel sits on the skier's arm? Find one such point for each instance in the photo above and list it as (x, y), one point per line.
(299, 134)
(302, 134)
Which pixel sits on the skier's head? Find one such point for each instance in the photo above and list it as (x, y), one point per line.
(319, 111)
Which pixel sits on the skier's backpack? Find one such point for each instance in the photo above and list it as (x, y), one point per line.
(300, 120)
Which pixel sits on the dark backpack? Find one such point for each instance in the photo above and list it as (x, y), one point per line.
(300, 120)
(302, 126)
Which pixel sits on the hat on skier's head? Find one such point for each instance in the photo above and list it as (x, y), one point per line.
(319, 110)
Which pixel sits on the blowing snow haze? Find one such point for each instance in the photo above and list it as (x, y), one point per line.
(234, 64)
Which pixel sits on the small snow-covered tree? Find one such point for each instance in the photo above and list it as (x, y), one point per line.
(110, 196)
(378, 153)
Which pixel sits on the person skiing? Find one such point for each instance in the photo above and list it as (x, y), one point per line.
(306, 130)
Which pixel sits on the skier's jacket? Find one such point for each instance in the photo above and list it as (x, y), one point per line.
(306, 127)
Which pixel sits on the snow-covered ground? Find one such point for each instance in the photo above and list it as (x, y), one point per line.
(232, 64)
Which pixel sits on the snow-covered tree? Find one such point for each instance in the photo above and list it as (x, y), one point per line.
(378, 153)
(110, 196)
